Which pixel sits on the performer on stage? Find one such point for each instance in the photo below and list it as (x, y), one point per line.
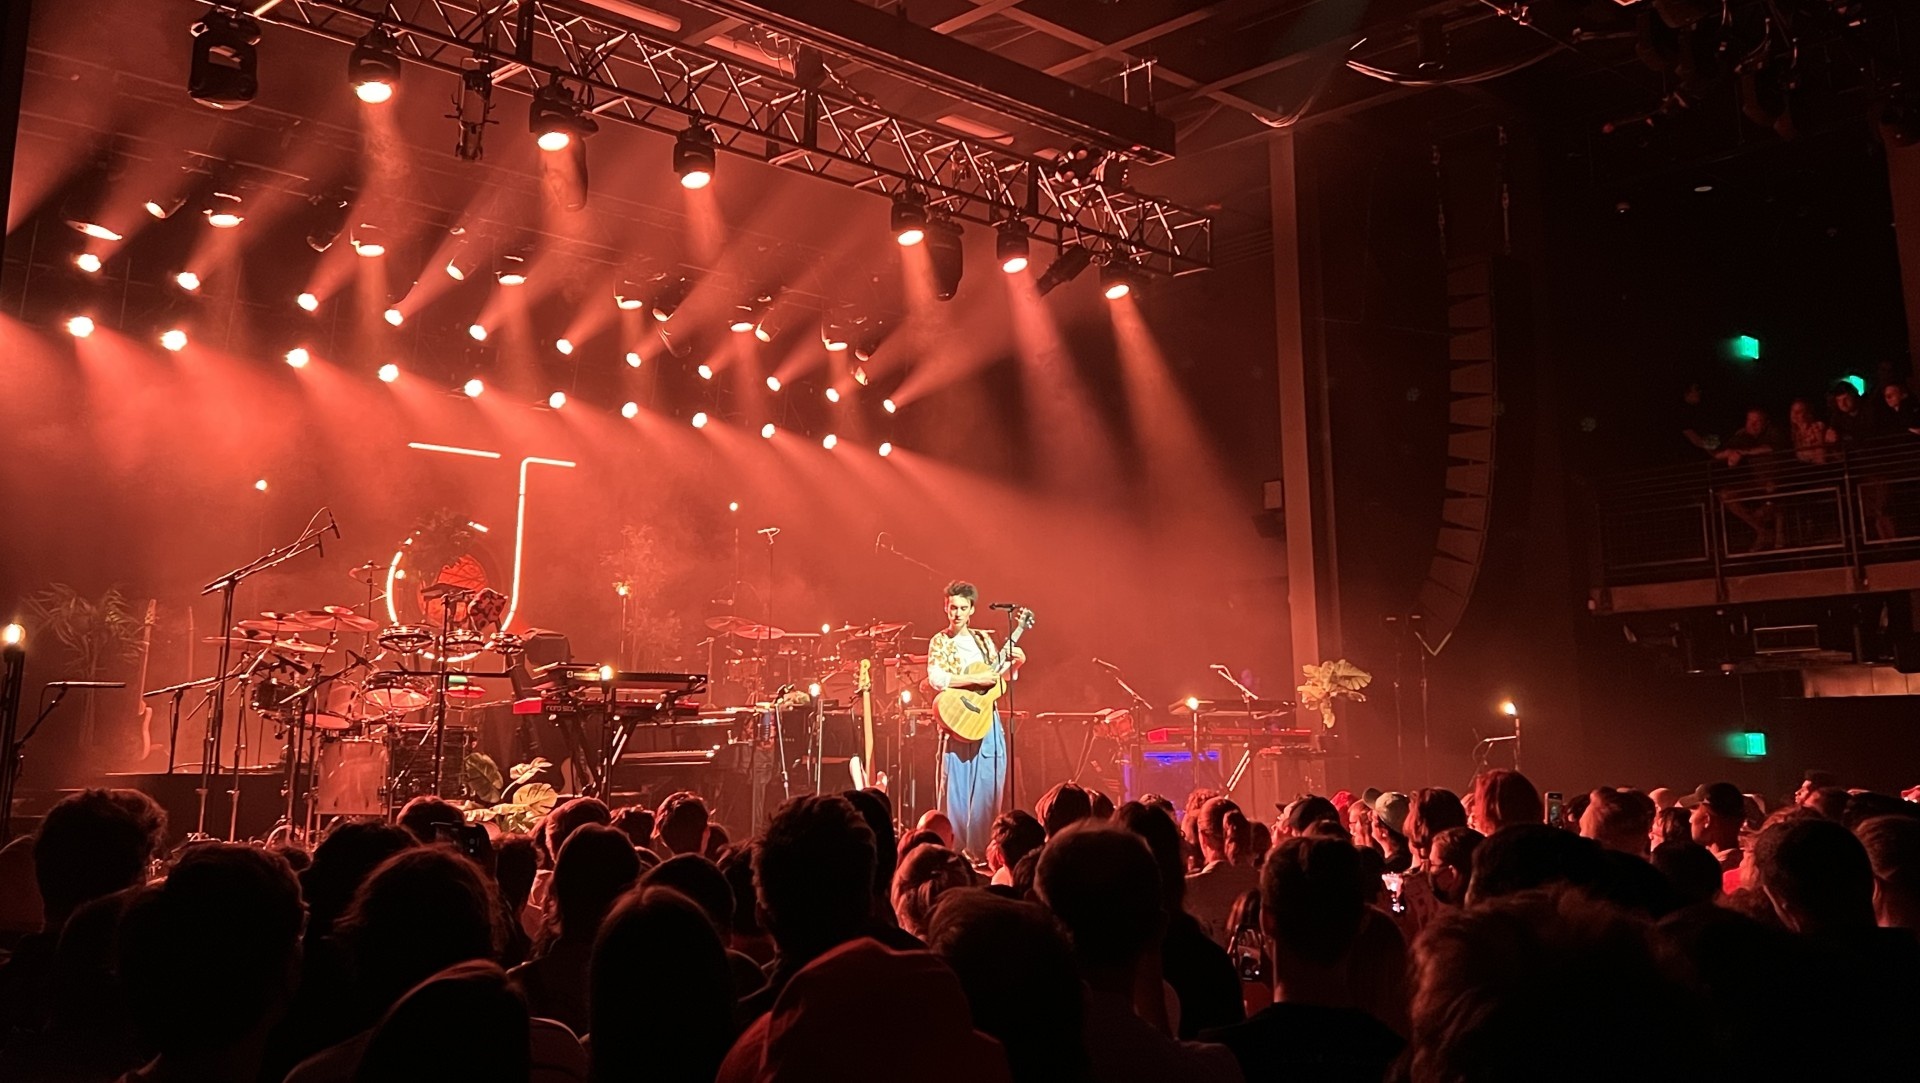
(973, 773)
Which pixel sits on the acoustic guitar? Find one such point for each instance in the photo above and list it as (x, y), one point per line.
(967, 713)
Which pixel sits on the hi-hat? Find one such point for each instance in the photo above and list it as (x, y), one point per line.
(883, 628)
(369, 572)
(336, 616)
(275, 622)
(728, 624)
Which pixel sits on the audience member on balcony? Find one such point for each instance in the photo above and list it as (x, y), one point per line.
(1850, 422)
(1903, 413)
(1754, 446)
(1810, 435)
(1690, 420)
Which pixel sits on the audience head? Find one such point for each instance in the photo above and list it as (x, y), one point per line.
(1502, 797)
(874, 808)
(1019, 976)
(924, 875)
(1893, 849)
(1430, 811)
(681, 824)
(1390, 812)
(659, 987)
(1718, 811)
(1831, 802)
(1164, 804)
(1812, 782)
(1816, 874)
(423, 910)
(637, 823)
(1302, 813)
(94, 843)
(913, 841)
(1691, 871)
(1672, 824)
(595, 867)
(1063, 806)
(515, 867)
(1104, 886)
(467, 1022)
(1225, 834)
(1619, 820)
(212, 954)
(737, 866)
(1663, 798)
(717, 841)
(1485, 1004)
(813, 873)
(342, 862)
(1155, 826)
(429, 819)
(1102, 806)
(568, 817)
(1311, 903)
(1532, 855)
(1013, 836)
(702, 882)
(937, 822)
(1450, 863)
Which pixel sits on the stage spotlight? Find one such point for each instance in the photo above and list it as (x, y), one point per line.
(329, 218)
(666, 300)
(888, 406)
(909, 219)
(705, 371)
(886, 449)
(630, 411)
(164, 209)
(629, 296)
(1066, 267)
(389, 372)
(13, 635)
(373, 68)
(556, 400)
(298, 357)
(694, 156)
(833, 394)
(80, 326)
(1118, 278)
(94, 229)
(463, 263)
(368, 240)
(860, 375)
(700, 422)
(556, 120)
(773, 383)
(394, 316)
(565, 346)
(187, 280)
(260, 486)
(224, 210)
(767, 431)
(510, 269)
(225, 72)
(477, 332)
(769, 327)
(87, 262)
(174, 339)
(307, 301)
(947, 257)
(829, 441)
(474, 388)
(1011, 246)
(742, 321)
(633, 359)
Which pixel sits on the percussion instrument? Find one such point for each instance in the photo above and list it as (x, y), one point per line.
(351, 777)
(275, 622)
(406, 638)
(506, 644)
(335, 616)
(389, 692)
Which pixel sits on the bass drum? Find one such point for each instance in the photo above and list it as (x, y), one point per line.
(351, 777)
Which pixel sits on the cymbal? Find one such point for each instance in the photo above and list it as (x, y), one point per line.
(759, 631)
(728, 623)
(241, 639)
(883, 628)
(370, 572)
(336, 616)
(275, 622)
(295, 646)
(444, 589)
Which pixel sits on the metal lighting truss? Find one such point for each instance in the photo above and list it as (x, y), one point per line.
(635, 73)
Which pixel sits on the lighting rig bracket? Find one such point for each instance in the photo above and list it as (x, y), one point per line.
(639, 75)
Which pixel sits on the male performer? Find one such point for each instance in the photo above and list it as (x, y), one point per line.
(974, 773)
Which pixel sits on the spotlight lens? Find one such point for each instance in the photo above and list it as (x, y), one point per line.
(370, 249)
(886, 450)
(565, 346)
(154, 208)
(633, 359)
(260, 486)
(474, 387)
(476, 332)
(307, 301)
(700, 420)
(175, 340)
(96, 230)
(298, 357)
(389, 372)
(773, 383)
(1015, 265)
(395, 317)
(80, 326)
(554, 140)
(767, 431)
(833, 394)
(662, 315)
(695, 179)
(740, 327)
(224, 219)
(556, 400)
(627, 304)
(888, 406)
(374, 92)
(1118, 290)
(454, 272)
(705, 371)
(910, 237)
(511, 278)
(829, 441)
(187, 280)
(87, 262)
(630, 410)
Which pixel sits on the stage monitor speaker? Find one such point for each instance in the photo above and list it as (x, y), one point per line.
(261, 801)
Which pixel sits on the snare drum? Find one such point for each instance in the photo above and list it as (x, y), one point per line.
(389, 692)
(406, 638)
(351, 777)
(340, 708)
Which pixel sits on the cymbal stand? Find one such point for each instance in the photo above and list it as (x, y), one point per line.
(226, 585)
(440, 681)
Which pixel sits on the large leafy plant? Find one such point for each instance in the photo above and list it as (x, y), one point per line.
(1329, 682)
(96, 633)
(515, 805)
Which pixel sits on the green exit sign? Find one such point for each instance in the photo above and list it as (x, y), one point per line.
(1748, 745)
(1743, 348)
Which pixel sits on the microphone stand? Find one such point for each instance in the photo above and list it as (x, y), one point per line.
(17, 751)
(226, 585)
(920, 564)
(1009, 792)
(177, 691)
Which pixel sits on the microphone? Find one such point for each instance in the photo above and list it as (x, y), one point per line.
(1220, 669)
(769, 531)
(879, 543)
(1106, 665)
(1008, 606)
(333, 524)
(86, 684)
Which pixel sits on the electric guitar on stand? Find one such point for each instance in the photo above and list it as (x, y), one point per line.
(967, 713)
